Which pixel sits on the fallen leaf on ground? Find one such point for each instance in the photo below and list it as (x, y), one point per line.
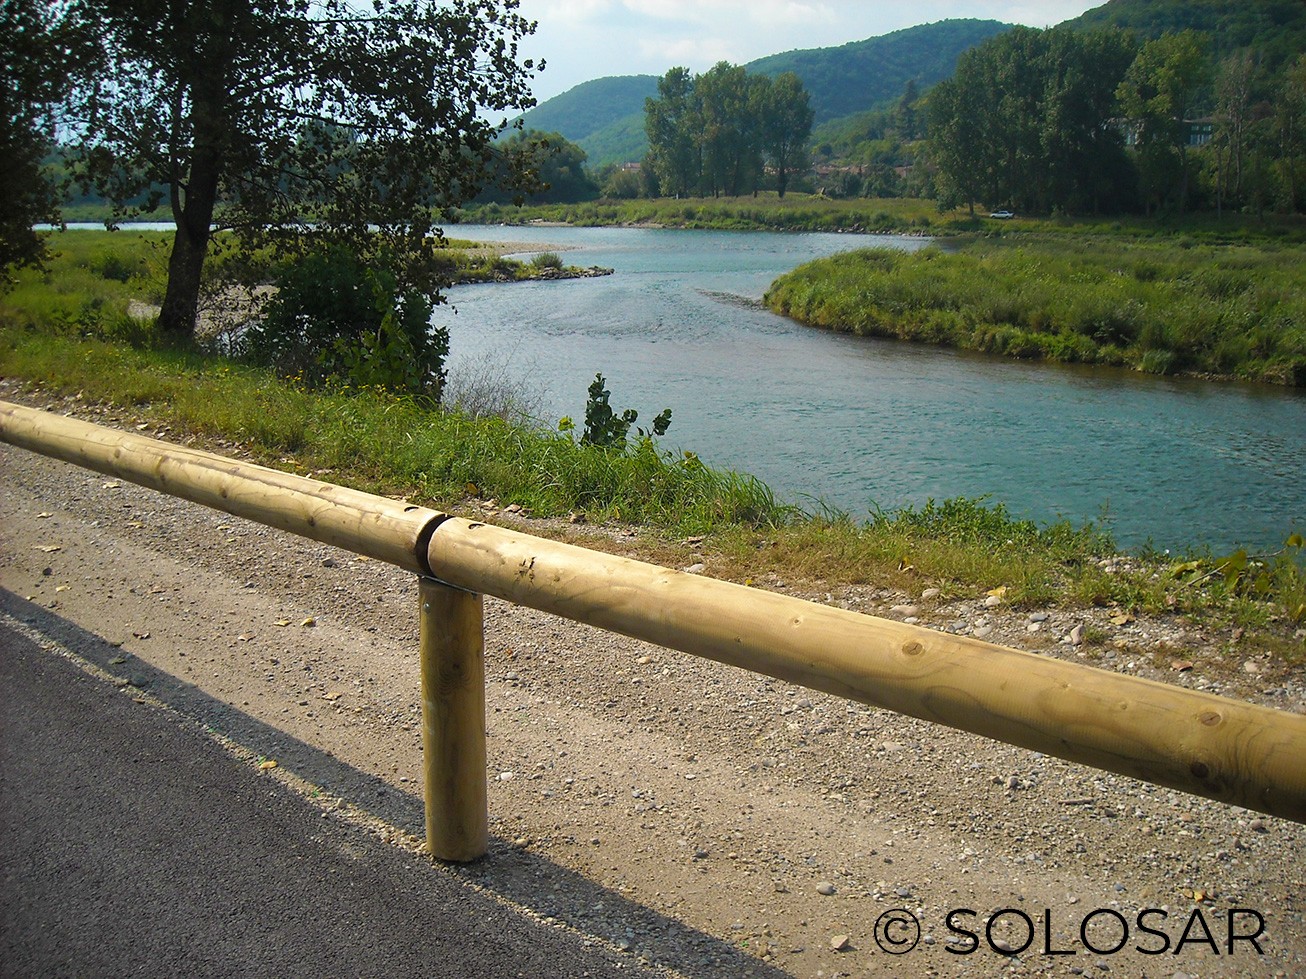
(1124, 618)
(44, 516)
(113, 485)
(268, 764)
(48, 548)
(282, 622)
(1181, 665)
(310, 621)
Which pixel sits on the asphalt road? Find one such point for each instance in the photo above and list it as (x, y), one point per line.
(133, 845)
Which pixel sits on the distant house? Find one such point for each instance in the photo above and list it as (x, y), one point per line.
(1199, 131)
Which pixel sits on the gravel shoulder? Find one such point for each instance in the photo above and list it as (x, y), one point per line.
(691, 815)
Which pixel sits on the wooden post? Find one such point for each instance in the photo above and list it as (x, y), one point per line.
(453, 721)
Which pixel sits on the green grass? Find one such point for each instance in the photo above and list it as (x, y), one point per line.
(90, 281)
(1157, 306)
(765, 212)
(894, 215)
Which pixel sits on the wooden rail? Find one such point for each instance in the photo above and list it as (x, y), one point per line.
(1224, 749)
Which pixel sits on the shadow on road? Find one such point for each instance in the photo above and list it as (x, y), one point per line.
(523, 878)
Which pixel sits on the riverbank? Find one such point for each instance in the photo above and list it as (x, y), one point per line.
(1205, 310)
(663, 508)
(69, 341)
(767, 211)
(762, 212)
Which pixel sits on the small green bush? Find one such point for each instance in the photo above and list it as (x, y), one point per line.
(336, 321)
(606, 429)
(1158, 362)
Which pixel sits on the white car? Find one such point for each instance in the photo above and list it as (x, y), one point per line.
(1003, 215)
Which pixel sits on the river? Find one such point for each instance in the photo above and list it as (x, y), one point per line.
(857, 423)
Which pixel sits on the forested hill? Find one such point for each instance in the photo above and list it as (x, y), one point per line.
(592, 106)
(606, 115)
(1276, 29)
(865, 74)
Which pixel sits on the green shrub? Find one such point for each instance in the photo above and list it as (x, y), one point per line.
(1069, 348)
(115, 267)
(606, 429)
(335, 321)
(1158, 362)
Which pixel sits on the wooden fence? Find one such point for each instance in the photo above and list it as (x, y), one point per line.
(1234, 752)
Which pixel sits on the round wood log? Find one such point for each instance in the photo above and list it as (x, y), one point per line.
(453, 722)
(385, 529)
(1235, 752)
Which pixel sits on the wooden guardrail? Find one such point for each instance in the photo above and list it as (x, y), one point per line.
(1234, 752)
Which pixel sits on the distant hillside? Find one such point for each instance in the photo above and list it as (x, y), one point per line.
(864, 74)
(594, 107)
(1276, 28)
(606, 116)
(621, 141)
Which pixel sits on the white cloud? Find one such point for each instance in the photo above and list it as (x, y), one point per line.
(690, 52)
(575, 11)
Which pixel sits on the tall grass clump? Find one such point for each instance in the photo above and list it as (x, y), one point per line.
(1159, 307)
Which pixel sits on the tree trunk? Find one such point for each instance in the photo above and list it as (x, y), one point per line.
(192, 210)
(181, 301)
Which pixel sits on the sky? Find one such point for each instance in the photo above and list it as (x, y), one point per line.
(585, 39)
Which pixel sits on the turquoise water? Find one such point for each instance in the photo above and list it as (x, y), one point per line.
(859, 423)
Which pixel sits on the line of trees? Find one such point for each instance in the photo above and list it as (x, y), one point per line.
(1026, 121)
(726, 131)
(1047, 120)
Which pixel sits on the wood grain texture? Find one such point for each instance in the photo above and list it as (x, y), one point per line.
(1224, 749)
(453, 722)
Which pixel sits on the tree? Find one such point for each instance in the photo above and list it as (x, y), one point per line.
(39, 46)
(281, 117)
(541, 167)
(727, 101)
(1233, 91)
(670, 121)
(1156, 95)
(1080, 140)
(715, 133)
(785, 124)
(905, 120)
(958, 146)
(1290, 123)
(1027, 120)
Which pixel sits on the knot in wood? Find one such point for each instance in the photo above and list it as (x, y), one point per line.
(1210, 718)
(912, 648)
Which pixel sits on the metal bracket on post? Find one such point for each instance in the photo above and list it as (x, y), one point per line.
(453, 721)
